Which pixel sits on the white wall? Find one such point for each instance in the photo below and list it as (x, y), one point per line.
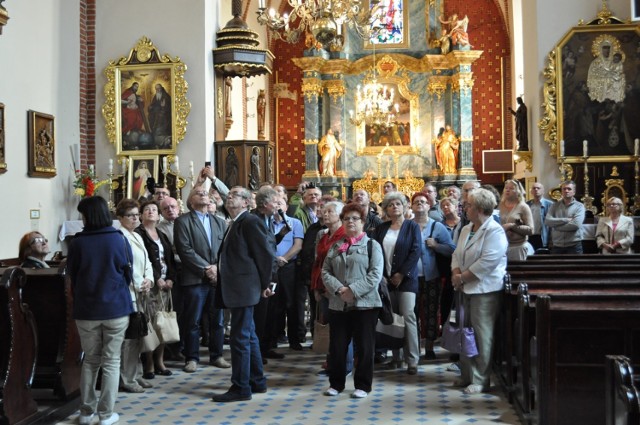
(183, 29)
(545, 22)
(39, 56)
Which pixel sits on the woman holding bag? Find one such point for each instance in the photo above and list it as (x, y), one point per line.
(97, 267)
(478, 267)
(131, 368)
(164, 271)
(400, 240)
(614, 234)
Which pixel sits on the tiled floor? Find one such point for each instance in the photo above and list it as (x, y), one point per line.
(295, 397)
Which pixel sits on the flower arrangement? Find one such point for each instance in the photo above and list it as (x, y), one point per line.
(87, 183)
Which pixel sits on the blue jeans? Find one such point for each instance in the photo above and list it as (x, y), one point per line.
(246, 360)
(194, 297)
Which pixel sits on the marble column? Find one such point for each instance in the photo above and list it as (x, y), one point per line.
(312, 91)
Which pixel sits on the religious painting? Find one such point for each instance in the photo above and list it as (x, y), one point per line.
(635, 10)
(141, 168)
(592, 93)
(397, 132)
(41, 145)
(146, 107)
(3, 162)
(389, 26)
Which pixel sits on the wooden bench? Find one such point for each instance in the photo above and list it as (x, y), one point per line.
(622, 391)
(18, 346)
(573, 338)
(48, 294)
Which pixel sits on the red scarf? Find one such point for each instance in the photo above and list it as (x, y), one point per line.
(350, 241)
(324, 244)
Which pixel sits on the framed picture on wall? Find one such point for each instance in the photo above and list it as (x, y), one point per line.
(3, 162)
(41, 145)
(146, 107)
(389, 25)
(635, 10)
(592, 93)
(141, 168)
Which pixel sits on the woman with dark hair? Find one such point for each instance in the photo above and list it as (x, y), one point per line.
(478, 267)
(164, 274)
(33, 249)
(351, 277)
(142, 272)
(97, 267)
(401, 240)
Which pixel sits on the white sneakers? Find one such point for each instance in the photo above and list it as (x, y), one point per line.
(112, 419)
(331, 392)
(359, 394)
(85, 419)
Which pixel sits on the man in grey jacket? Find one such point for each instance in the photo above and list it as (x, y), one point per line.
(565, 219)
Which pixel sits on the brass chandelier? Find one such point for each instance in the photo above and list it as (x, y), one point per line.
(323, 18)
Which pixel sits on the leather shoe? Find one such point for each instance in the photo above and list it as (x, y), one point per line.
(380, 358)
(271, 354)
(258, 390)
(191, 366)
(148, 375)
(144, 384)
(132, 388)
(295, 346)
(164, 372)
(221, 363)
(230, 396)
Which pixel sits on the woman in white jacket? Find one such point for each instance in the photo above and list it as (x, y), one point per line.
(478, 266)
(130, 367)
(614, 234)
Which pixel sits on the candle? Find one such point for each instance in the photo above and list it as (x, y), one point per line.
(561, 147)
(164, 164)
(585, 148)
(91, 169)
(177, 164)
(262, 4)
(110, 166)
(636, 147)
(191, 168)
(123, 162)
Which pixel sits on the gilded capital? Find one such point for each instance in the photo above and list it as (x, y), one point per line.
(335, 88)
(311, 88)
(437, 86)
(462, 83)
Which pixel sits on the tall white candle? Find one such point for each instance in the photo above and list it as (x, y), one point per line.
(191, 168)
(110, 166)
(585, 148)
(262, 4)
(636, 147)
(561, 147)
(91, 168)
(123, 163)
(164, 164)
(177, 164)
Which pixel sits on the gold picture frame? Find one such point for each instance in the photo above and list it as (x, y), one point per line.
(591, 93)
(3, 160)
(41, 145)
(146, 108)
(141, 167)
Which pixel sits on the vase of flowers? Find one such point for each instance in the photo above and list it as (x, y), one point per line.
(86, 183)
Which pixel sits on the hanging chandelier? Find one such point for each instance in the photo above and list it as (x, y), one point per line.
(374, 104)
(323, 18)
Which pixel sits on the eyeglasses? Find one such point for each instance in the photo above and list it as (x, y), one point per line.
(354, 218)
(39, 240)
(235, 195)
(169, 207)
(199, 193)
(614, 204)
(132, 215)
(419, 202)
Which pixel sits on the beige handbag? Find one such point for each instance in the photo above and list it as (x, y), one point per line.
(166, 323)
(320, 335)
(150, 341)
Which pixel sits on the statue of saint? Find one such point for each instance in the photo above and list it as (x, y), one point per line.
(522, 127)
(447, 145)
(231, 167)
(254, 176)
(330, 150)
(606, 79)
(261, 105)
(457, 29)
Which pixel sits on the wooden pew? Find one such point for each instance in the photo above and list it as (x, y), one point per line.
(573, 338)
(18, 346)
(48, 294)
(622, 403)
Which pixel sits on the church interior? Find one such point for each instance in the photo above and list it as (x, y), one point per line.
(98, 95)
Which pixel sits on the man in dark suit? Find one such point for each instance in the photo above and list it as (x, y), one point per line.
(246, 262)
(197, 238)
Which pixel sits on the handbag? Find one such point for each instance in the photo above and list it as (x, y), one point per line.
(166, 322)
(456, 337)
(321, 333)
(386, 312)
(390, 336)
(150, 341)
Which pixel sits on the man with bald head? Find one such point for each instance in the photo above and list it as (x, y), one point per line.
(361, 197)
(539, 209)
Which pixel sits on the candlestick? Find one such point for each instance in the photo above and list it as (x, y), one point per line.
(561, 147)
(110, 166)
(585, 148)
(636, 147)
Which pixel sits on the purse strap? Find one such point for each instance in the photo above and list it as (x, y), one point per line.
(170, 302)
(130, 268)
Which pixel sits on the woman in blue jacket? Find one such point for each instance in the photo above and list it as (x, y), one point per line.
(97, 264)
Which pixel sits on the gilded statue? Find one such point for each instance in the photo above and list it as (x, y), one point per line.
(447, 145)
(606, 79)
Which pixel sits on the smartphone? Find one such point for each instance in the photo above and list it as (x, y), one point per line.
(207, 164)
(273, 286)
